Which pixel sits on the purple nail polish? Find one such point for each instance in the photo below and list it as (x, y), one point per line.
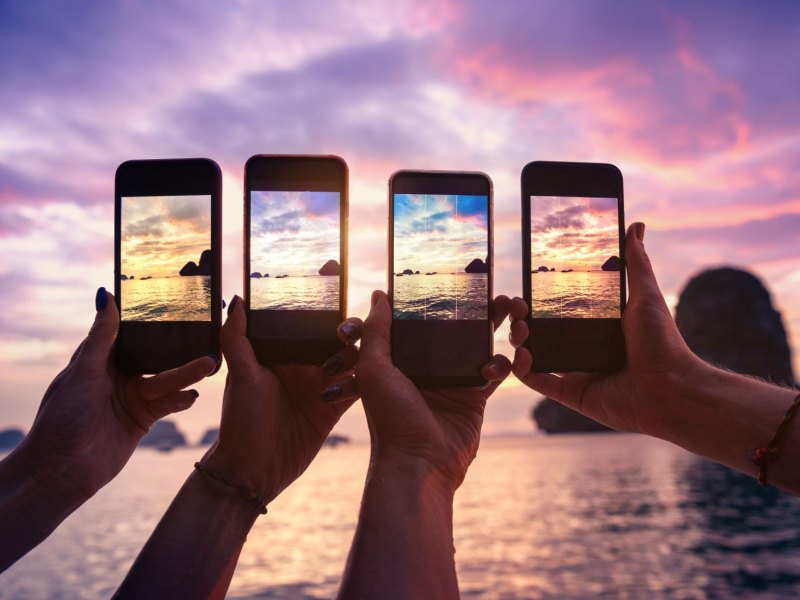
(332, 366)
(349, 331)
(332, 393)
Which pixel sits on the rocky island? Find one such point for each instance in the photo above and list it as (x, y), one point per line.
(612, 264)
(476, 266)
(330, 268)
(204, 268)
(10, 439)
(164, 436)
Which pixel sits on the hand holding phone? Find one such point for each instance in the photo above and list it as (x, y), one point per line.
(440, 276)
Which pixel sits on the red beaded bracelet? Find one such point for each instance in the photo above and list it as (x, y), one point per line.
(763, 457)
(248, 495)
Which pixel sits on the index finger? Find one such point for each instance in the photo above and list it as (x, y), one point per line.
(176, 379)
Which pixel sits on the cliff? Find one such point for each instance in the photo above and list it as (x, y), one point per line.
(204, 268)
(330, 268)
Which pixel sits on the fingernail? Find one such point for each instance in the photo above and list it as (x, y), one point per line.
(232, 305)
(332, 393)
(223, 303)
(195, 393)
(349, 331)
(376, 297)
(639, 231)
(101, 299)
(332, 365)
(215, 358)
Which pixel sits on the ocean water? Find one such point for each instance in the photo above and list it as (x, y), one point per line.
(593, 294)
(314, 292)
(166, 299)
(570, 516)
(441, 296)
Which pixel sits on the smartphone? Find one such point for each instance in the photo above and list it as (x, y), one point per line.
(440, 276)
(295, 256)
(573, 271)
(167, 262)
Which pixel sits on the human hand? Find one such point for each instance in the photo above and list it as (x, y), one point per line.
(438, 429)
(92, 416)
(658, 362)
(275, 420)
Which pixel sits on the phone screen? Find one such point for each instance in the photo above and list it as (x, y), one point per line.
(295, 256)
(294, 251)
(575, 263)
(440, 280)
(165, 258)
(440, 257)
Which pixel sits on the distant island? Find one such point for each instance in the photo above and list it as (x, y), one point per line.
(204, 268)
(163, 436)
(612, 264)
(257, 275)
(10, 438)
(476, 266)
(330, 268)
(126, 277)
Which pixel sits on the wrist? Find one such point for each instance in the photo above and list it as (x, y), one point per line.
(414, 475)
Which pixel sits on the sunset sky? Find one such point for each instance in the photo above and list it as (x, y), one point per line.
(439, 233)
(293, 233)
(695, 102)
(160, 234)
(573, 233)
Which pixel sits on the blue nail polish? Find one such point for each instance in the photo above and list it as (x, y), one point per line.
(332, 365)
(214, 357)
(349, 331)
(332, 393)
(101, 299)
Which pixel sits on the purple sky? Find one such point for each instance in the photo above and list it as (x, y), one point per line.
(695, 102)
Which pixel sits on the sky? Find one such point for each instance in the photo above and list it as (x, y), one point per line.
(439, 233)
(695, 102)
(160, 234)
(293, 233)
(573, 233)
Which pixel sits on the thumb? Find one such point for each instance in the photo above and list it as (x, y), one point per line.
(98, 343)
(376, 336)
(236, 348)
(641, 279)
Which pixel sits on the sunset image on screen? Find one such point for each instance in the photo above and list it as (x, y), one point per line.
(166, 259)
(575, 263)
(440, 256)
(294, 250)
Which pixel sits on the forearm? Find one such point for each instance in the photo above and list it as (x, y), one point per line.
(193, 551)
(403, 545)
(31, 506)
(724, 416)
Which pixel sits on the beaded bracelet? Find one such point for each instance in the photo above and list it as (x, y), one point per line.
(763, 457)
(249, 495)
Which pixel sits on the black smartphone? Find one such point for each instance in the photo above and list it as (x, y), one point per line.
(573, 272)
(440, 276)
(295, 256)
(167, 262)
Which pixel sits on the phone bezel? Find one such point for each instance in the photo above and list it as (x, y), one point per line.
(591, 346)
(145, 347)
(444, 182)
(297, 172)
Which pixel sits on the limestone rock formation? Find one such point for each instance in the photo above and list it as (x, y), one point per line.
(612, 264)
(476, 266)
(10, 438)
(163, 435)
(330, 268)
(204, 268)
(552, 417)
(727, 318)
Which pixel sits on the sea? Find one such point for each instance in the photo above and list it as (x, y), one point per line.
(312, 292)
(441, 296)
(579, 294)
(166, 299)
(570, 516)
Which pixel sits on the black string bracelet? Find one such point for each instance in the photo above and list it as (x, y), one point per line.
(763, 457)
(249, 495)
